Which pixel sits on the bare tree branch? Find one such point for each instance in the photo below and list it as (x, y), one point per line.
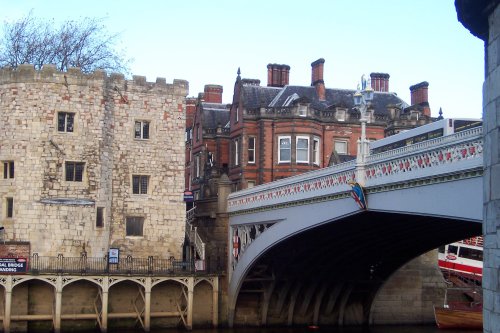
(84, 44)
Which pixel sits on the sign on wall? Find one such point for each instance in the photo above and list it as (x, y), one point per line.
(114, 256)
(13, 265)
(188, 196)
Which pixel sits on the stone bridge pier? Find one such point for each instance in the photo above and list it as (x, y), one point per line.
(482, 18)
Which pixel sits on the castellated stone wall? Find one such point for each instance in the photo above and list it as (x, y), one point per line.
(55, 125)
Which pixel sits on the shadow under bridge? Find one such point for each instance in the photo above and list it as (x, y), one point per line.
(331, 274)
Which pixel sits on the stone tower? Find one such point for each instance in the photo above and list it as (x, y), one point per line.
(91, 162)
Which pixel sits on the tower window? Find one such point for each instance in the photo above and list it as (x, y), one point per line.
(134, 225)
(74, 171)
(141, 129)
(65, 121)
(8, 169)
(140, 184)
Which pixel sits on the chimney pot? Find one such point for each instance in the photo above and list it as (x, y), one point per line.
(419, 96)
(213, 93)
(277, 75)
(317, 78)
(419, 93)
(380, 81)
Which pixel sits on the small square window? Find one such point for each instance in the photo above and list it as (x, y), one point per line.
(140, 184)
(74, 171)
(135, 225)
(141, 129)
(341, 147)
(9, 211)
(99, 218)
(340, 115)
(8, 169)
(65, 121)
(302, 110)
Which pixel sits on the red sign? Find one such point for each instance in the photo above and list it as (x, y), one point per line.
(13, 265)
(188, 196)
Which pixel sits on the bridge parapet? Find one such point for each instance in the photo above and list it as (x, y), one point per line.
(444, 156)
(324, 182)
(440, 157)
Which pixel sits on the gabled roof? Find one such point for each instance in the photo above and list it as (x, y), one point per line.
(257, 97)
(214, 114)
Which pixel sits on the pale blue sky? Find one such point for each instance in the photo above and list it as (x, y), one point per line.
(205, 42)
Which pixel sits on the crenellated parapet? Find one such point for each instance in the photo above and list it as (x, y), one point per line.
(27, 73)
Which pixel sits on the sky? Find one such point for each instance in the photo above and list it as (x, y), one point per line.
(205, 42)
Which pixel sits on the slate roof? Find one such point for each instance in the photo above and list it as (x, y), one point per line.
(214, 114)
(257, 97)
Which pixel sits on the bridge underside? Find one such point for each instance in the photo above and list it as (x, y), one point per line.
(331, 274)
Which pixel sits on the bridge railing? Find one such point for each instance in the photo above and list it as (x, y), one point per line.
(445, 155)
(326, 181)
(453, 139)
(441, 156)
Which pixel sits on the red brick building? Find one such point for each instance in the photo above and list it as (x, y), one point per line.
(279, 130)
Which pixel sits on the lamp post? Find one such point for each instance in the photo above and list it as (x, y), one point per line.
(362, 100)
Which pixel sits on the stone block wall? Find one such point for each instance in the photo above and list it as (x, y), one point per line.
(491, 213)
(410, 293)
(59, 216)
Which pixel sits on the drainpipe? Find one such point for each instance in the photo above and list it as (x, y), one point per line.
(322, 155)
(272, 153)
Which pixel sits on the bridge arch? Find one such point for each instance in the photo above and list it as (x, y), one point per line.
(355, 254)
(307, 229)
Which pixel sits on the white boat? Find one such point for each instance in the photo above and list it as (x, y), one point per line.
(463, 258)
(462, 266)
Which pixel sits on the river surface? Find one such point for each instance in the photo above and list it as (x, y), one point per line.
(378, 329)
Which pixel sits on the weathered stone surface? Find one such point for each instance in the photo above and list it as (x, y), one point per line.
(105, 110)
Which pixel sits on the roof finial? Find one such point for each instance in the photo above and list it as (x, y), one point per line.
(440, 114)
(239, 72)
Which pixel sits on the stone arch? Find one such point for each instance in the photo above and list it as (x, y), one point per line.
(169, 302)
(126, 303)
(32, 295)
(81, 301)
(92, 280)
(203, 303)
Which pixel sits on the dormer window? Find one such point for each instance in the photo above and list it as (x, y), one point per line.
(302, 110)
(340, 115)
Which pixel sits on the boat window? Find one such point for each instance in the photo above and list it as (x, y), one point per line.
(452, 249)
(468, 253)
(441, 249)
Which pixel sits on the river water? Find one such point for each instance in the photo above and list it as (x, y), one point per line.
(377, 329)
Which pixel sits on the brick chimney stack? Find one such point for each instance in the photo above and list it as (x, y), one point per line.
(277, 75)
(419, 96)
(317, 78)
(190, 111)
(419, 93)
(380, 81)
(213, 93)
